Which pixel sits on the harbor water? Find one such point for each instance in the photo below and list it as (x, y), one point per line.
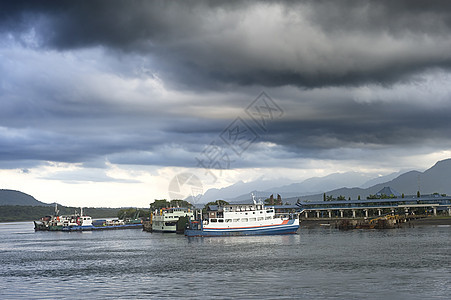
(318, 263)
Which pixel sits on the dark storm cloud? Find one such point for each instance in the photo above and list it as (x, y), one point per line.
(271, 43)
(394, 17)
(344, 129)
(74, 78)
(408, 130)
(132, 144)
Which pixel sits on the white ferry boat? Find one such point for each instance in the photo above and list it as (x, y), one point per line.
(243, 219)
(165, 220)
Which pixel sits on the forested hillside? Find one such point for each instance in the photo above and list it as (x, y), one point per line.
(11, 213)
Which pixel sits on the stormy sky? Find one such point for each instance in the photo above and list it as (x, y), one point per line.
(104, 103)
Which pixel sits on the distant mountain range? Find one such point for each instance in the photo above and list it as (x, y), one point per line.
(436, 179)
(240, 188)
(351, 184)
(10, 197)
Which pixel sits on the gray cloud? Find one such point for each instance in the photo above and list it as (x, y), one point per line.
(270, 43)
(86, 175)
(80, 81)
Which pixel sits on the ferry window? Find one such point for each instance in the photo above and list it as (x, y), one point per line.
(228, 220)
(252, 219)
(221, 220)
(268, 218)
(244, 220)
(254, 212)
(261, 212)
(270, 211)
(245, 213)
(213, 220)
(260, 219)
(236, 220)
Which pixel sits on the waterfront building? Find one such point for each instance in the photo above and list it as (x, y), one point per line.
(410, 205)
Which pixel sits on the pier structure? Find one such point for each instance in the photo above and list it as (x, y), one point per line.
(427, 205)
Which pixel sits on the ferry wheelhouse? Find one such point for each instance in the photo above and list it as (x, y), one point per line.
(165, 219)
(242, 219)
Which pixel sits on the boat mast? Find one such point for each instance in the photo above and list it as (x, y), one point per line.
(253, 199)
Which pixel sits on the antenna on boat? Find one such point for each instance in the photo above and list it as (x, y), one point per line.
(56, 209)
(253, 199)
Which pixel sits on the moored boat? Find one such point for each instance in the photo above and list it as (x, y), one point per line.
(63, 222)
(242, 219)
(81, 222)
(165, 219)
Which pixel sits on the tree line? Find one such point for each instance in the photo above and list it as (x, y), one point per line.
(17, 213)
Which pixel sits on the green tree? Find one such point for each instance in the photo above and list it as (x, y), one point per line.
(358, 197)
(159, 204)
(132, 213)
(180, 203)
(324, 196)
(418, 194)
(10, 213)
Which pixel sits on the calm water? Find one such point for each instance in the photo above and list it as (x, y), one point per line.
(409, 263)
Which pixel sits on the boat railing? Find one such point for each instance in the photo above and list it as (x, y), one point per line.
(289, 216)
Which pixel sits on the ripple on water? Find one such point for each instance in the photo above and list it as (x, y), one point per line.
(316, 263)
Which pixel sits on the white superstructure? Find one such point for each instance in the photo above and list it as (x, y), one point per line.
(241, 216)
(243, 219)
(165, 220)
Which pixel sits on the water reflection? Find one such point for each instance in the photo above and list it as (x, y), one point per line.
(315, 263)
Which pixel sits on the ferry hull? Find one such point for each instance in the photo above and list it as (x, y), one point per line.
(92, 228)
(40, 227)
(164, 230)
(273, 230)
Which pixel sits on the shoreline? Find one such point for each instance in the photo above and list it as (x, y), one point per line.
(331, 223)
